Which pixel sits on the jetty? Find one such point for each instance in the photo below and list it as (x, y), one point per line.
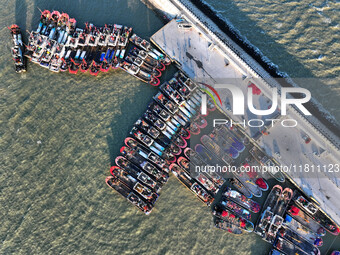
(208, 55)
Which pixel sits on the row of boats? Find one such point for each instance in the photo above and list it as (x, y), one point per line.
(155, 142)
(57, 44)
(293, 223)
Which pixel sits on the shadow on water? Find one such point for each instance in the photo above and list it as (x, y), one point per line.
(21, 14)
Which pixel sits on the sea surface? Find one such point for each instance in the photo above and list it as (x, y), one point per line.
(59, 134)
(301, 37)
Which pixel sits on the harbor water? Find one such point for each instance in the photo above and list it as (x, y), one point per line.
(59, 134)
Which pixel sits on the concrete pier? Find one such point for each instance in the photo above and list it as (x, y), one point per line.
(205, 58)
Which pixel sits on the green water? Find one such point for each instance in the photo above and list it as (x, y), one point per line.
(59, 133)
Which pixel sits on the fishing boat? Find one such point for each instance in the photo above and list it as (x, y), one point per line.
(185, 133)
(238, 185)
(288, 248)
(298, 240)
(114, 183)
(166, 103)
(201, 122)
(142, 43)
(180, 142)
(237, 220)
(267, 215)
(261, 158)
(135, 185)
(198, 162)
(132, 171)
(194, 129)
(305, 220)
(199, 176)
(141, 162)
(124, 37)
(180, 87)
(208, 157)
(312, 210)
(137, 173)
(228, 135)
(147, 128)
(55, 61)
(312, 237)
(185, 80)
(214, 148)
(242, 200)
(235, 208)
(174, 95)
(115, 33)
(147, 154)
(44, 17)
(191, 184)
(147, 58)
(247, 182)
(224, 144)
(278, 211)
(255, 177)
(159, 124)
(18, 49)
(227, 225)
(94, 69)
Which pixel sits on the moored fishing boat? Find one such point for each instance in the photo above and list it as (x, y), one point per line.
(198, 162)
(159, 124)
(235, 208)
(238, 185)
(225, 145)
(267, 215)
(201, 122)
(306, 220)
(191, 184)
(141, 162)
(199, 176)
(147, 154)
(116, 184)
(135, 185)
(194, 129)
(18, 49)
(260, 157)
(185, 133)
(312, 237)
(167, 104)
(242, 200)
(134, 172)
(311, 209)
(247, 182)
(227, 225)
(237, 220)
(278, 211)
(45, 15)
(288, 248)
(254, 176)
(298, 240)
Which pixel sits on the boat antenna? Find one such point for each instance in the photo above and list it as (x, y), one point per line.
(40, 10)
